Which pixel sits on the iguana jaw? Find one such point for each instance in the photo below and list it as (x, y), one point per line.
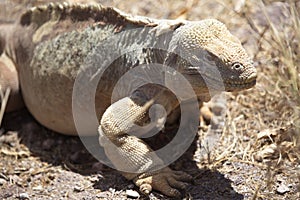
(208, 84)
(238, 86)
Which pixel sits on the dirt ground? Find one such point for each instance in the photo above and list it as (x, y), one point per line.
(253, 154)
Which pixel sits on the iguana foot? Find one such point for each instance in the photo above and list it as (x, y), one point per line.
(166, 181)
(206, 116)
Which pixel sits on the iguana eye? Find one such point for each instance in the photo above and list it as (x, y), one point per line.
(237, 66)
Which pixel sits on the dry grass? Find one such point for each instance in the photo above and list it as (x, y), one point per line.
(280, 56)
(285, 58)
(263, 124)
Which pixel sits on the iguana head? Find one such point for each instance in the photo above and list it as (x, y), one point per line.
(214, 52)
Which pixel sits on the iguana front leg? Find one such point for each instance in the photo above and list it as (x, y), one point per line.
(9, 84)
(132, 155)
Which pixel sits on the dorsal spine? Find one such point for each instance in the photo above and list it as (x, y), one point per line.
(80, 12)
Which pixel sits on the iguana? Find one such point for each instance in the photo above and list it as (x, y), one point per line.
(48, 47)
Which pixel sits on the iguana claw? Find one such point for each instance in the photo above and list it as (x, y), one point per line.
(166, 181)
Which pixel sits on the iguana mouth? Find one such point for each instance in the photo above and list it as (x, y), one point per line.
(237, 86)
(230, 85)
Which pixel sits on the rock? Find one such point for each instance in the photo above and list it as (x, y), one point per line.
(282, 189)
(23, 196)
(2, 181)
(132, 194)
(78, 188)
(94, 179)
(111, 190)
(38, 188)
(103, 195)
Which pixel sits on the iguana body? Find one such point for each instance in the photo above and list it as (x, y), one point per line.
(50, 46)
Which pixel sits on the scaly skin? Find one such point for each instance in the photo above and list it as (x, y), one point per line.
(49, 47)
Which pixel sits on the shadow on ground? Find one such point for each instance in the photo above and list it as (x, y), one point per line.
(69, 153)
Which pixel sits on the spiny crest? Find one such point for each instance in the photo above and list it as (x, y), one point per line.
(79, 12)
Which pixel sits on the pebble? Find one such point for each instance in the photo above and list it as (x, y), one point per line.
(23, 196)
(38, 188)
(102, 195)
(282, 189)
(246, 138)
(132, 194)
(78, 188)
(2, 181)
(111, 190)
(94, 179)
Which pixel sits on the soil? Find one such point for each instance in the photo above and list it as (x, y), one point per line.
(251, 153)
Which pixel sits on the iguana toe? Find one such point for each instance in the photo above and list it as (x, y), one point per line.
(166, 181)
